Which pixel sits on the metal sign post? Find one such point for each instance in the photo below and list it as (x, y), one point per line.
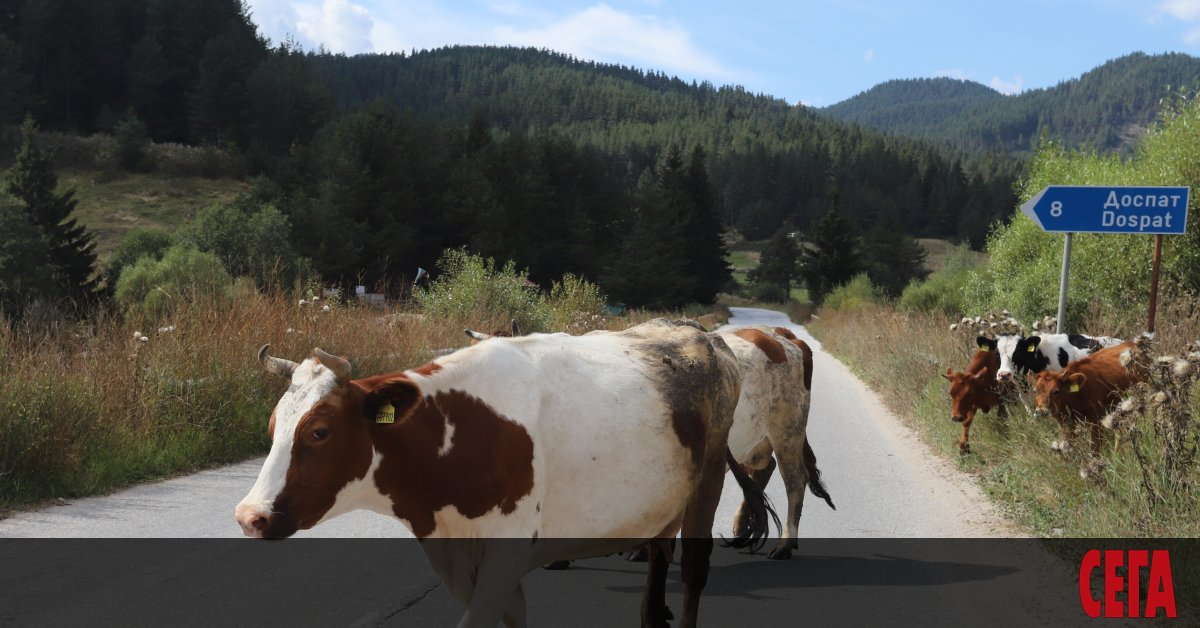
(1062, 283)
(1100, 209)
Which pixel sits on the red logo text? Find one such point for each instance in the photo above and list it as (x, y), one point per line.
(1159, 592)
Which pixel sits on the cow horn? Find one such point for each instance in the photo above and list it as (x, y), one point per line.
(476, 335)
(339, 366)
(516, 329)
(278, 366)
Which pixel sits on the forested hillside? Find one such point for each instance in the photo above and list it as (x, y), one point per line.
(770, 162)
(363, 168)
(1106, 108)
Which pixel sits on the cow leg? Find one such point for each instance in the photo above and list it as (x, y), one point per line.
(964, 443)
(498, 595)
(654, 600)
(697, 536)
(760, 477)
(795, 480)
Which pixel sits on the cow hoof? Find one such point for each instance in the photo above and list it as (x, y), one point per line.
(558, 565)
(964, 449)
(659, 619)
(638, 556)
(780, 553)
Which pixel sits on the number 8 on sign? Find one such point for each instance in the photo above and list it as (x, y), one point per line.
(1056, 209)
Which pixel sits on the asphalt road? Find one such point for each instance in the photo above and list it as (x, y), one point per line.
(885, 482)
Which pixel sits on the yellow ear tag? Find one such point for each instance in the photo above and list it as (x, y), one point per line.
(985, 348)
(387, 414)
(1074, 387)
(1030, 348)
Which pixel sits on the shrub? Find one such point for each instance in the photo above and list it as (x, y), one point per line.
(1112, 270)
(854, 294)
(153, 287)
(945, 290)
(473, 288)
(574, 303)
(251, 241)
(136, 244)
(768, 293)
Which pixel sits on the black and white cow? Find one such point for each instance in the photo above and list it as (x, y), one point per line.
(1047, 352)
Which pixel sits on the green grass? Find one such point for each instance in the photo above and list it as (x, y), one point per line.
(111, 206)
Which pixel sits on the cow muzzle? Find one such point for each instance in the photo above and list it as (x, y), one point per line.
(957, 418)
(252, 519)
(1004, 376)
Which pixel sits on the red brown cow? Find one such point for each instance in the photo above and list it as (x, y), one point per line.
(1084, 392)
(974, 389)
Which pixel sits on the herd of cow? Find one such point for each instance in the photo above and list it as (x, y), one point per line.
(564, 446)
(1078, 379)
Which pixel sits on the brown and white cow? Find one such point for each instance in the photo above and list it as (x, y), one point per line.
(543, 437)
(975, 388)
(1085, 391)
(772, 417)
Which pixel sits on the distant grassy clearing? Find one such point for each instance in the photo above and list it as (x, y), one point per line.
(111, 208)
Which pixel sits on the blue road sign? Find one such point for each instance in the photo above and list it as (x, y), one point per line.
(1099, 209)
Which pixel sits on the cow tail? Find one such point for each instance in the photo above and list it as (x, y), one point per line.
(814, 475)
(758, 506)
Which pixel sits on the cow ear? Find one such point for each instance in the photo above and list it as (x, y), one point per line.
(1076, 380)
(980, 375)
(1031, 343)
(516, 329)
(949, 374)
(391, 401)
(985, 344)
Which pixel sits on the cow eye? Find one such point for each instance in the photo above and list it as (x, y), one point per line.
(320, 433)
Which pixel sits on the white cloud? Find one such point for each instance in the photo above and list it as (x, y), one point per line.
(339, 25)
(603, 33)
(1192, 37)
(1186, 10)
(1007, 87)
(953, 73)
(869, 55)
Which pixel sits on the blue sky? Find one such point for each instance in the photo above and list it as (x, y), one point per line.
(813, 51)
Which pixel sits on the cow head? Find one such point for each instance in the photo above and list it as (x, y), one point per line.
(967, 388)
(480, 337)
(1007, 347)
(322, 443)
(1028, 356)
(1052, 390)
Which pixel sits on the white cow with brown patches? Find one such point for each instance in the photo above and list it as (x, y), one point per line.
(544, 438)
(772, 417)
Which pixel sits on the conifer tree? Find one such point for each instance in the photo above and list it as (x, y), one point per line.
(833, 257)
(892, 258)
(32, 180)
(777, 263)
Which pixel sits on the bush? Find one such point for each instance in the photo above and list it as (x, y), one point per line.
(250, 241)
(136, 244)
(574, 303)
(853, 295)
(152, 287)
(768, 293)
(945, 290)
(1110, 270)
(472, 289)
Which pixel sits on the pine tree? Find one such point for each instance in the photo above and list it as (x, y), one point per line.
(702, 228)
(777, 263)
(892, 259)
(72, 254)
(24, 258)
(833, 256)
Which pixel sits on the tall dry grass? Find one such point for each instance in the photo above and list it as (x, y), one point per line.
(87, 407)
(902, 355)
